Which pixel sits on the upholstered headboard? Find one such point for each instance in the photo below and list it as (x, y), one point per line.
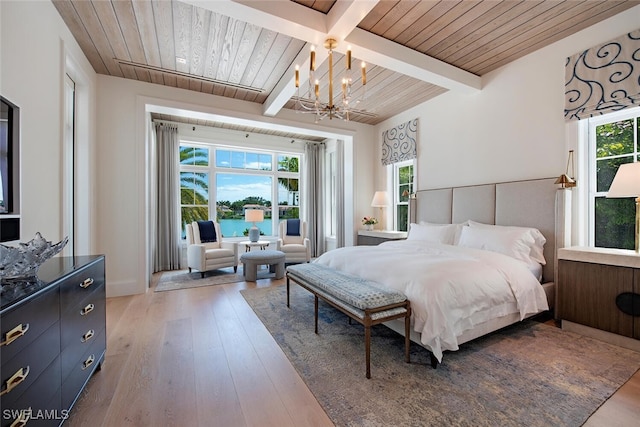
(530, 203)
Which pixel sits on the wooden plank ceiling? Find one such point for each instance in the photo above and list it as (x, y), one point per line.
(246, 50)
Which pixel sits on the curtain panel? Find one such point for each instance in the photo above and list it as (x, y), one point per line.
(314, 168)
(603, 79)
(166, 230)
(399, 143)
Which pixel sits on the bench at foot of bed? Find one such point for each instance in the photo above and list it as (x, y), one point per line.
(364, 301)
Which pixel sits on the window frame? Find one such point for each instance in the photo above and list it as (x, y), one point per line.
(397, 195)
(592, 191)
(213, 170)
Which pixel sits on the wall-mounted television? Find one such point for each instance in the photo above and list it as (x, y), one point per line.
(9, 157)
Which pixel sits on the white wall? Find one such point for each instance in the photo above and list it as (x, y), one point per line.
(514, 128)
(121, 169)
(35, 45)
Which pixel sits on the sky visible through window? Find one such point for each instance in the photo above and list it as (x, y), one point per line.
(232, 187)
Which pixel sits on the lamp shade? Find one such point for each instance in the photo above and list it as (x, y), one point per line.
(380, 199)
(626, 183)
(254, 215)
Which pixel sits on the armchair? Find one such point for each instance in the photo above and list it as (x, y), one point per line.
(296, 247)
(212, 253)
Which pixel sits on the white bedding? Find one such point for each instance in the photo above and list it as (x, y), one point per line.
(451, 288)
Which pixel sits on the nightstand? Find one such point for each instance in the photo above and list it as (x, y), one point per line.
(375, 237)
(599, 294)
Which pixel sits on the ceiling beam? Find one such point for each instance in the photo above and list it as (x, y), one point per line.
(303, 23)
(385, 53)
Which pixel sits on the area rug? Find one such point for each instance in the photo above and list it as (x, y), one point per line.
(182, 279)
(529, 374)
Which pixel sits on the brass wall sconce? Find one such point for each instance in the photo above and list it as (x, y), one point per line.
(567, 180)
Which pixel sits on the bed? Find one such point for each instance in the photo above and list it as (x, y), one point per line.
(477, 259)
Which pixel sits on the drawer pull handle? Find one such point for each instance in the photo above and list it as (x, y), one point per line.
(15, 333)
(87, 282)
(22, 419)
(88, 309)
(15, 380)
(88, 335)
(88, 362)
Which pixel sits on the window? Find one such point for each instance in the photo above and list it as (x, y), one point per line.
(402, 189)
(613, 140)
(239, 179)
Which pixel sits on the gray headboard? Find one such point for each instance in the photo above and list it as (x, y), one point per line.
(530, 203)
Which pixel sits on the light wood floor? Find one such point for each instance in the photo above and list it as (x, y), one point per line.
(200, 357)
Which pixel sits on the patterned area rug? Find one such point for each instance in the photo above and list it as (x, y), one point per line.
(529, 374)
(182, 279)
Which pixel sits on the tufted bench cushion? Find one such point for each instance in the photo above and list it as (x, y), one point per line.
(363, 300)
(353, 290)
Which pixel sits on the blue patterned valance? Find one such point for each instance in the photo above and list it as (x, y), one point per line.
(399, 143)
(604, 78)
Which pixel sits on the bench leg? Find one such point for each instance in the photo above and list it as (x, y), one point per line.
(367, 349)
(315, 308)
(288, 292)
(407, 340)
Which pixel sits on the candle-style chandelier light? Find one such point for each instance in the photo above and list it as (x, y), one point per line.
(312, 104)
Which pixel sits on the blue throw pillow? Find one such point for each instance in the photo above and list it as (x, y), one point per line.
(207, 232)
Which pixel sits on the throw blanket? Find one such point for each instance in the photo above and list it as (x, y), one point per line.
(207, 231)
(293, 227)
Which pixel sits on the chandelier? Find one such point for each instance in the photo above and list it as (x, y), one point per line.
(312, 104)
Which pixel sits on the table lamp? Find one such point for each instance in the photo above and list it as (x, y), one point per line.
(254, 215)
(380, 200)
(626, 183)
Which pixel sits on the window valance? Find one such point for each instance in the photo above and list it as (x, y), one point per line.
(604, 78)
(399, 143)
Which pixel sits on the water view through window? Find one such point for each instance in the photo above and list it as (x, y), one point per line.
(240, 180)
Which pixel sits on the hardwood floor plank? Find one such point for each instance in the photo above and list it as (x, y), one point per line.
(216, 397)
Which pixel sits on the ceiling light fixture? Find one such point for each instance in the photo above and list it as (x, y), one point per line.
(312, 103)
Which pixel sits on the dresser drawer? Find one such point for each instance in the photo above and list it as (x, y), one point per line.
(82, 369)
(33, 360)
(80, 285)
(43, 397)
(89, 314)
(34, 316)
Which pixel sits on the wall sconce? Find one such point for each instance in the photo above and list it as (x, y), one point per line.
(567, 180)
(626, 183)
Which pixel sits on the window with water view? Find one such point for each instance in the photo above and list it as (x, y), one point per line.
(240, 180)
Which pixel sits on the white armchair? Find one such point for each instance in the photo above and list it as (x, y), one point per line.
(296, 248)
(211, 255)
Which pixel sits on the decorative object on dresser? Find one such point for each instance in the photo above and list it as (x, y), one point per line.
(599, 293)
(626, 183)
(53, 338)
(22, 261)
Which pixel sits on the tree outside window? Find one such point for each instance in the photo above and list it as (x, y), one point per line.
(403, 188)
(616, 143)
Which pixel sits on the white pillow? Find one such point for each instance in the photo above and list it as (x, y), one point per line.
(514, 243)
(439, 233)
(536, 252)
(458, 229)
